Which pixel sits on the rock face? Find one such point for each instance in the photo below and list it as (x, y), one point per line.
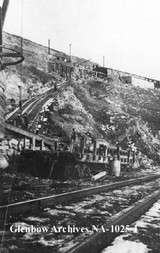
(109, 110)
(33, 74)
(120, 113)
(3, 162)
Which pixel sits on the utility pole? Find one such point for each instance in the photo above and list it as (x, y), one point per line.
(20, 98)
(70, 45)
(103, 61)
(4, 10)
(49, 49)
(70, 62)
(1, 33)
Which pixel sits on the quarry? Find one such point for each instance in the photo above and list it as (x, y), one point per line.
(79, 149)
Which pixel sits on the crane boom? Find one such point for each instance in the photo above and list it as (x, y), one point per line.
(4, 10)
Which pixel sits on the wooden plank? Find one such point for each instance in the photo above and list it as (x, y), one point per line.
(29, 135)
(42, 145)
(33, 143)
(24, 143)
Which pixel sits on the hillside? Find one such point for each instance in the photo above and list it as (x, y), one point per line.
(109, 110)
(122, 114)
(32, 74)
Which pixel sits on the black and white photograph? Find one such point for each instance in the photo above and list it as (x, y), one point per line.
(79, 126)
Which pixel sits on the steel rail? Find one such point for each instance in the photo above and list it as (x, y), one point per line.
(61, 88)
(30, 101)
(33, 204)
(100, 240)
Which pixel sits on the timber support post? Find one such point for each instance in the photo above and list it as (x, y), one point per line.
(42, 145)
(24, 143)
(33, 143)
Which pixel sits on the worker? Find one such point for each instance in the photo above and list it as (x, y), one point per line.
(25, 121)
(55, 87)
(22, 121)
(73, 139)
(73, 135)
(18, 121)
(20, 106)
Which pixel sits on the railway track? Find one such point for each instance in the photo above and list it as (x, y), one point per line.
(92, 213)
(14, 113)
(30, 105)
(34, 204)
(25, 106)
(145, 238)
(122, 223)
(34, 112)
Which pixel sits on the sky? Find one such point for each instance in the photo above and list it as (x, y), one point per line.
(125, 32)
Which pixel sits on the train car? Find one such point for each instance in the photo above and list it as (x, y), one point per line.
(86, 157)
(100, 151)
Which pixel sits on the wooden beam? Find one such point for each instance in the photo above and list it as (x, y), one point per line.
(29, 135)
(33, 143)
(42, 145)
(4, 10)
(24, 143)
(82, 143)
